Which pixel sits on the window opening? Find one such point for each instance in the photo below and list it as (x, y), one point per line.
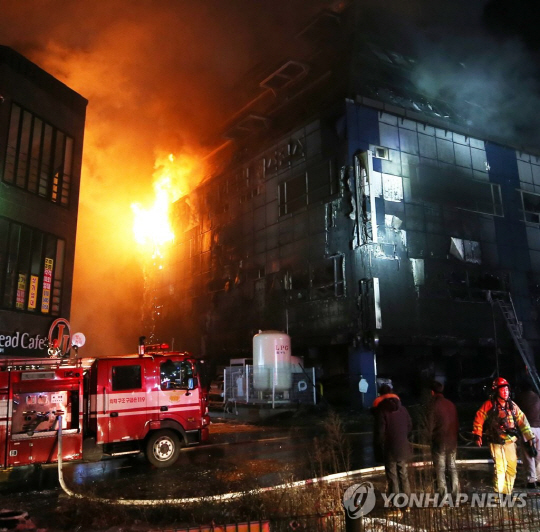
(327, 278)
(530, 207)
(126, 378)
(31, 269)
(175, 375)
(39, 157)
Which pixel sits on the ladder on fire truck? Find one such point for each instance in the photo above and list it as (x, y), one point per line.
(504, 301)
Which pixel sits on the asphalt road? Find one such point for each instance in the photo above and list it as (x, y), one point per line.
(239, 456)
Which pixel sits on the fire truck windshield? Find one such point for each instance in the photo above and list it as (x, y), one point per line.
(175, 375)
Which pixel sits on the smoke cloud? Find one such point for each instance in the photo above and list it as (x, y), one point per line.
(161, 77)
(469, 56)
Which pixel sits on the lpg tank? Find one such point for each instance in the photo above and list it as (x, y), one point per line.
(272, 361)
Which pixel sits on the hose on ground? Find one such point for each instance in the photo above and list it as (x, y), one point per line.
(233, 495)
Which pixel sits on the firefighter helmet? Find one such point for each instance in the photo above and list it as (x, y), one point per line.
(500, 383)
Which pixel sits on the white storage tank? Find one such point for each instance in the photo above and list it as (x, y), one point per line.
(272, 361)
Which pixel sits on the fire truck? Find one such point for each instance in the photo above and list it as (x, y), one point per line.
(151, 402)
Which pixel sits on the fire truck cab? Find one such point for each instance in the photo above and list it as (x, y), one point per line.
(151, 402)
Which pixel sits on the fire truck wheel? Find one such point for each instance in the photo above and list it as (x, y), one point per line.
(163, 448)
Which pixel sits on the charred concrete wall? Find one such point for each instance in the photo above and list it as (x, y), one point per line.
(368, 237)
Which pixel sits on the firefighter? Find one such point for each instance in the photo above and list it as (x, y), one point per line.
(499, 422)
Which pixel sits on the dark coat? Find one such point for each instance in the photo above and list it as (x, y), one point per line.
(529, 402)
(443, 424)
(393, 425)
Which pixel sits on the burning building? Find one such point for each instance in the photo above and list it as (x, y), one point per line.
(41, 141)
(388, 232)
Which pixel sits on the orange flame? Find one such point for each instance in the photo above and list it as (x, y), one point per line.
(172, 178)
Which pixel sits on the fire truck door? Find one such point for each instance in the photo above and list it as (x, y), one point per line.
(125, 400)
(179, 398)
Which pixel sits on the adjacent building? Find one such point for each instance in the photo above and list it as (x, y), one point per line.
(41, 143)
(369, 222)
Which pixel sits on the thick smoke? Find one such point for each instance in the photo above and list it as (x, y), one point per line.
(470, 55)
(161, 77)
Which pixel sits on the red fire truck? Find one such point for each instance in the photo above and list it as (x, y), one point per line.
(151, 402)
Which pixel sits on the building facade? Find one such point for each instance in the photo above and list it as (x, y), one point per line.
(371, 225)
(41, 142)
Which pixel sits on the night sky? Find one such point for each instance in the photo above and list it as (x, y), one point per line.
(162, 77)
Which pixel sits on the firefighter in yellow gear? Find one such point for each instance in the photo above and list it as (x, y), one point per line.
(499, 422)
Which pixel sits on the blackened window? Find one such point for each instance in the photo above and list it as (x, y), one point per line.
(327, 278)
(443, 186)
(322, 181)
(530, 207)
(126, 378)
(293, 194)
(39, 157)
(317, 184)
(31, 269)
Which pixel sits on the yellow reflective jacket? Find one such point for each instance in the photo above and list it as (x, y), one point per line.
(504, 420)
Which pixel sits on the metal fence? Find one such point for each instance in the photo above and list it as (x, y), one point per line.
(448, 519)
(243, 385)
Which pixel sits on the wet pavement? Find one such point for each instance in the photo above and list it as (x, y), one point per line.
(240, 456)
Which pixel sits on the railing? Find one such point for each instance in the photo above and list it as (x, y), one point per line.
(247, 384)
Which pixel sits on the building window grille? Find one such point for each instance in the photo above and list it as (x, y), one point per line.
(39, 157)
(31, 269)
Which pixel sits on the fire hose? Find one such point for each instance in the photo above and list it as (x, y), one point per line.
(60, 472)
(233, 495)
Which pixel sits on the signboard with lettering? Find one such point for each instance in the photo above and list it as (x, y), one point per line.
(35, 344)
(21, 291)
(32, 296)
(47, 283)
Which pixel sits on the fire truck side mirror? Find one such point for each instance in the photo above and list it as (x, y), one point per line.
(192, 383)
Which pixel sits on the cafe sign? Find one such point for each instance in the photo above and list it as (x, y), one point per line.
(22, 343)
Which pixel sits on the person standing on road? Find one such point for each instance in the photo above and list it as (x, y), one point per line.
(529, 402)
(391, 439)
(443, 427)
(497, 421)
